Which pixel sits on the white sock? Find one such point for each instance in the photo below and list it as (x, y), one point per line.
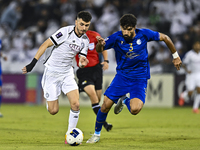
(73, 119)
(185, 95)
(196, 101)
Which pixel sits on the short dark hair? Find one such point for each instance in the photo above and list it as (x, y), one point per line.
(128, 20)
(84, 15)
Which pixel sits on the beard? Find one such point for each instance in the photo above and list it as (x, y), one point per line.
(128, 38)
(81, 32)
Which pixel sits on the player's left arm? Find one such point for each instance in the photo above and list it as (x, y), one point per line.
(176, 59)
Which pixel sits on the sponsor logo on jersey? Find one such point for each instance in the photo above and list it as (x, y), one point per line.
(59, 35)
(75, 47)
(131, 55)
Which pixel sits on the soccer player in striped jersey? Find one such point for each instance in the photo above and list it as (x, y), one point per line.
(90, 77)
(58, 75)
(133, 71)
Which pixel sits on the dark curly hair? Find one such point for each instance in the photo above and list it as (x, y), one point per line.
(128, 20)
(84, 15)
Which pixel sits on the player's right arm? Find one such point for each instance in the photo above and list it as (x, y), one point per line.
(39, 53)
(176, 59)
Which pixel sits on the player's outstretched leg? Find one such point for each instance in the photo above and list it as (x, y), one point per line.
(101, 117)
(106, 125)
(118, 108)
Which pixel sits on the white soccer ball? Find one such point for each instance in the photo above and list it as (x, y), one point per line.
(74, 137)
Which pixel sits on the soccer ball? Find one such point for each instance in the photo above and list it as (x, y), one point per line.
(74, 137)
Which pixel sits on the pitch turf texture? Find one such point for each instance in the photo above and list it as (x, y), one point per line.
(25, 127)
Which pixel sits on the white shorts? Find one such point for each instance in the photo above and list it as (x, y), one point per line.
(192, 81)
(53, 82)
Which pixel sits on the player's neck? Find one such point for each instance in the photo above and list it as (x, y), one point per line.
(78, 34)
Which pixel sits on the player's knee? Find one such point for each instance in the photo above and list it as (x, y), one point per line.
(75, 106)
(198, 90)
(190, 93)
(104, 108)
(135, 106)
(135, 110)
(53, 111)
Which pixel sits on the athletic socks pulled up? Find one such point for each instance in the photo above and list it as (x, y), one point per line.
(73, 119)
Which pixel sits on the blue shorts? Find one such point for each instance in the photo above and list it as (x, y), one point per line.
(121, 85)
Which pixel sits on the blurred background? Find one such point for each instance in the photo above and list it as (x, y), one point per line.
(26, 24)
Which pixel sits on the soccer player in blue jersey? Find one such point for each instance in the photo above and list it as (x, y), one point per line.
(133, 71)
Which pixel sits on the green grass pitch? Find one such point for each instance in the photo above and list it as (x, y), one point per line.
(26, 127)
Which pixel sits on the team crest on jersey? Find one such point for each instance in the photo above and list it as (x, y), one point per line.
(59, 35)
(138, 42)
(91, 46)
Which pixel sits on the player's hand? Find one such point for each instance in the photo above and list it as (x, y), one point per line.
(83, 61)
(24, 71)
(177, 63)
(100, 40)
(105, 65)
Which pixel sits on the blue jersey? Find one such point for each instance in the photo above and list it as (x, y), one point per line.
(132, 56)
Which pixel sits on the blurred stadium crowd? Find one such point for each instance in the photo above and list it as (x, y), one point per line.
(25, 24)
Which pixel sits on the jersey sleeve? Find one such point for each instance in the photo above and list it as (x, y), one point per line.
(110, 41)
(151, 35)
(59, 36)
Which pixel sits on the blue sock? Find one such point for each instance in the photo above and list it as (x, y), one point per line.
(127, 102)
(101, 118)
